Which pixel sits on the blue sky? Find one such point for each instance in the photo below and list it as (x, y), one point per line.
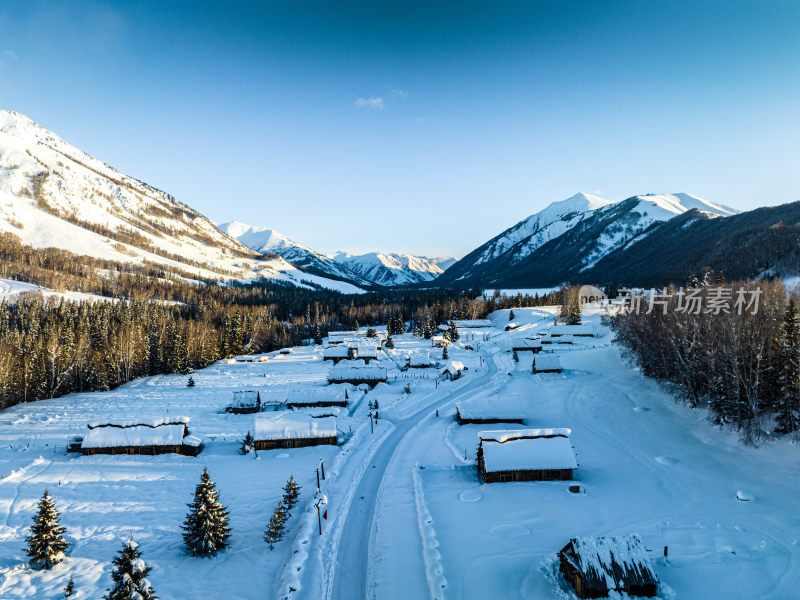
(424, 127)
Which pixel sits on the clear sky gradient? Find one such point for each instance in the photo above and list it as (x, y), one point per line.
(423, 127)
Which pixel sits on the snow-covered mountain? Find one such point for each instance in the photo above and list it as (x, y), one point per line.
(584, 229)
(373, 268)
(54, 195)
(268, 241)
(391, 269)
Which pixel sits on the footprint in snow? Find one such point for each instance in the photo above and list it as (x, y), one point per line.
(470, 496)
(507, 532)
(666, 460)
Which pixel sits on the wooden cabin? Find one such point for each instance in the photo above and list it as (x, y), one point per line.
(546, 363)
(439, 341)
(419, 360)
(160, 436)
(492, 409)
(365, 349)
(336, 353)
(527, 345)
(595, 567)
(317, 397)
(356, 374)
(452, 370)
(291, 429)
(525, 455)
(245, 402)
(574, 330)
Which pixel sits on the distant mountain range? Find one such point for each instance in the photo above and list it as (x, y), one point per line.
(370, 269)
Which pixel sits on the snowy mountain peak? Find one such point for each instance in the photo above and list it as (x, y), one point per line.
(390, 268)
(261, 239)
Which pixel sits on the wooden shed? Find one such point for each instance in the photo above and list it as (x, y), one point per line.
(452, 370)
(546, 363)
(527, 345)
(245, 402)
(336, 353)
(317, 397)
(159, 436)
(291, 429)
(594, 567)
(525, 455)
(490, 410)
(357, 374)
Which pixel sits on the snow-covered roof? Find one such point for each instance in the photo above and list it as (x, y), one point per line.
(292, 425)
(473, 323)
(526, 343)
(335, 352)
(611, 563)
(546, 362)
(420, 359)
(149, 422)
(572, 330)
(452, 366)
(492, 407)
(364, 349)
(506, 435)
(137, 435)
(528, 453)
(344, 371)
(314, 395)
(245, 398)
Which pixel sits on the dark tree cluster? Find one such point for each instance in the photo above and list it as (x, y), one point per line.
(743, 367)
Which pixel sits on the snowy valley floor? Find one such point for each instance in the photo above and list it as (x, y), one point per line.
(407, 517)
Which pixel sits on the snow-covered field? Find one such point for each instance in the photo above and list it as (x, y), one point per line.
(11, 289)
(407, 517)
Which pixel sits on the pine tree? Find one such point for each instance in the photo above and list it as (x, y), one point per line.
(788, 376)
(317, 335)
(69, 589)
(276, 525)
(399, 325)
(371, 333)
(693, 282)
(190, 383)
(205, 530)
(46, 543)
(444, 353)
(454, 331)
(291, 492)
(130, 575)
(511, 315)
(355, 327)
(389, 342)
(248, 443)
(721, 279)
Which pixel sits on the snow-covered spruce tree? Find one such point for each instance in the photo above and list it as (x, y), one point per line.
(355, 327)
(389, 342)
(130, 575)
(190, 383)
(291, 492)
(317, 335)
(511, 315)
(445, 356)
(371, 333)
(46, 543)
(205, 530)
(788, 371)
(69, 589)
(248, 443)
(276, 525)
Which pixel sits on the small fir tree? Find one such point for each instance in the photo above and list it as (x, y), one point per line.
(371, 333)
(511, 315)
(317, 335)
(291, 492)
(206, 530)
(389, 342)
(190, 383)
(46, 543)
(445, 356)
(130, 575)
(356, 325)
(69, 589)
(248, 443)
(274, 531)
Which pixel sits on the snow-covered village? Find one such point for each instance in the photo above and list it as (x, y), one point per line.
(299, 301)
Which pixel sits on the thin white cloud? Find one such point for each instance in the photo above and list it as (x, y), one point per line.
(373, 103)
(400, 93)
